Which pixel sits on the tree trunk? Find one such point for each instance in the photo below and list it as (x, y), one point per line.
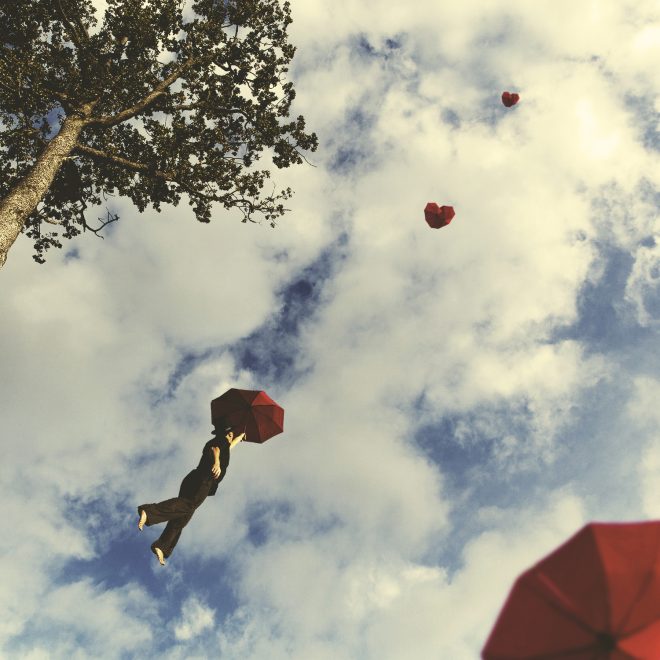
(22, 200)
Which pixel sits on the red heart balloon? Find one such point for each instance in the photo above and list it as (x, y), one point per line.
(509, 99)
(438, 216)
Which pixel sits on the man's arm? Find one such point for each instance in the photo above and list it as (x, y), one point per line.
(238, 439)
(215, 470)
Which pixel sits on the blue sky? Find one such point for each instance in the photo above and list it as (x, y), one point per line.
(458, 401)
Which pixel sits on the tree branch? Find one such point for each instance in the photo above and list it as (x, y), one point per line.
(303, 157)
(241, 202)
(158, 90)
(7, 86)
(124, 162)
(110, 219)
(82, 27)
(72, 30)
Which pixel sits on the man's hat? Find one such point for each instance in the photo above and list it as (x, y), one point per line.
(222, 425)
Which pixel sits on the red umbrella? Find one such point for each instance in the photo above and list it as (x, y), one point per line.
(597, 597)
(510, 99)
(438, 216)
(252, 411)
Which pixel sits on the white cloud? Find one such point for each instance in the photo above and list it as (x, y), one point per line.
(643, 285)
(38, 539)
(78, 619)
(195, 619)
(649, 470)
(373, 607)
(644, 417)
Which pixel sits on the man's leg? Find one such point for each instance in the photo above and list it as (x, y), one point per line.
(175, 507)
(166, 510)
(171, 534)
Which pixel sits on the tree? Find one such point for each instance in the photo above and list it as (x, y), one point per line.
(164, 100)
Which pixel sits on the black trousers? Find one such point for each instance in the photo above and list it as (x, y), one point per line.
(177, 511)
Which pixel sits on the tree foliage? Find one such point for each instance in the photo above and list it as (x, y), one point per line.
(178, 98)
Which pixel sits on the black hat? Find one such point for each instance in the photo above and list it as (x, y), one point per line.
(222, 425)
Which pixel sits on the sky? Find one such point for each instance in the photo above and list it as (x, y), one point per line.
(459, 401)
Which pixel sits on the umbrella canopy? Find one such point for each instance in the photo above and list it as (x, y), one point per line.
(438, 216)
(252, 411)
(597, 597)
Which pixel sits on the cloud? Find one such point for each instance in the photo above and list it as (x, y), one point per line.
(643, 286)
(195, 619)
(114, 622)
(377, 607)
(644, 419)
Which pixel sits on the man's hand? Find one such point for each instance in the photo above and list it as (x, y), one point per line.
(237, 439)
(215, 470)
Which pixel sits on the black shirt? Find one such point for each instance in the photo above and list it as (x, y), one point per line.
(208, 459)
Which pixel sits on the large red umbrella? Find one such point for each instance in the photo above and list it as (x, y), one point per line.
(252, 411)
(597, 597)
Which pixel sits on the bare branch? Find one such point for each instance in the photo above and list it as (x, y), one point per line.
(110, 218)
(303, 157)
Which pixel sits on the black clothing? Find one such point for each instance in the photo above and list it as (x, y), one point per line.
(207, 460)
(195, 487)
(177, 511)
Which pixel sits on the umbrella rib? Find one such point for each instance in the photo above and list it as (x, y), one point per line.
(606, 582)
(645, 585)
(636, 600)
(564, 611)
(263, 413)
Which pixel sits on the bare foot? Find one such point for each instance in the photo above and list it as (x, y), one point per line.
(143, 519)
(161, 557)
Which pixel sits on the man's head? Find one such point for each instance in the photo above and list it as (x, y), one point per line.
(224, 429)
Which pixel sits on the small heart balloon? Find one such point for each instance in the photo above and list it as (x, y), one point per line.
(438, 216)
(509, 99)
